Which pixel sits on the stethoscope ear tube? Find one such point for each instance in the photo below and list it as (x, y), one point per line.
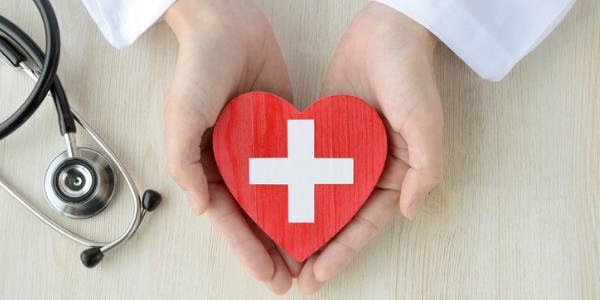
(46, 80)
(148, 203)
(96, 251)
(14, 56)
(94, 255)
(49, 63)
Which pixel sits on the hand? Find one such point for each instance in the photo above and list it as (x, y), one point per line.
(387, 59)
(226, 48)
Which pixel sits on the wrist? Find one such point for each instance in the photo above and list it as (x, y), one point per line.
(391, 20)
(177, 16)
(187, 16)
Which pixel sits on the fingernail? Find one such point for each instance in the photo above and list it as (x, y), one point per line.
(193, 202)
(414, 207)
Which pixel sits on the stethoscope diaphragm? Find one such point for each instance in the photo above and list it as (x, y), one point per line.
(80, 187)
(80, 182)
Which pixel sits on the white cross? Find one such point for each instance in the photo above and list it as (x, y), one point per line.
(300, 171)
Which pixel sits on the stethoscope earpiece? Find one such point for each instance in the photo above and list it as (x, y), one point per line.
(80, 182)
(91, 257)
(151, 200)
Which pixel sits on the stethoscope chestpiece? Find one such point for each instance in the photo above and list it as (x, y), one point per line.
(80, 187)
(80, 182)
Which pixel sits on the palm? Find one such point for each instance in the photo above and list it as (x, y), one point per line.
(379, 62)
(227, 48)
(231, 50)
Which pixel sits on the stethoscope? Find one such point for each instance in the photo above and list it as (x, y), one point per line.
(80, 182)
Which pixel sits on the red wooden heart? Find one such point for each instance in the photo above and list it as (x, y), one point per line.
(301, 176)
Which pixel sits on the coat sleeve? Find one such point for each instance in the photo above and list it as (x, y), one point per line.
(123, 21)
(490, 36)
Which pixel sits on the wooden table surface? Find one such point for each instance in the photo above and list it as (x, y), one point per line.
(517, 214)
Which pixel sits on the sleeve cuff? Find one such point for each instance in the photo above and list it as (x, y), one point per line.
(489, 37)
(122, 22)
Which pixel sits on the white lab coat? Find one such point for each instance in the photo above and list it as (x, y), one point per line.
(491, 36)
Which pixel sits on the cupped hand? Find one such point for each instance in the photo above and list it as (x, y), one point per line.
(226, 48)
(387, 59)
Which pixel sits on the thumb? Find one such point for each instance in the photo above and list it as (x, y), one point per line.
(414, 111)
(183, 139)
(202, 82)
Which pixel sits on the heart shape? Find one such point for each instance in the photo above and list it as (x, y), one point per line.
(300, 176)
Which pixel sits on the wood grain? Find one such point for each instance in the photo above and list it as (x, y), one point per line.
(517, 214)
(255, 125)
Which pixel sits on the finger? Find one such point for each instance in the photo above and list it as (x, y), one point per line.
(307, 282)
(183, 135)
(396, 163)
(294, 266)
(423, 134)
(203, 81)
(415, 188)
(209, 164)
(227, 217)
(281, 282)
(367, 223)
(414, 111)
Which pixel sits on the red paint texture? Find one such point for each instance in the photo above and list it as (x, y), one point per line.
(254, 125)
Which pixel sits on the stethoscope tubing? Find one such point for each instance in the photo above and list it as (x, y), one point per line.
(48, 82)
(49, 66)
(138, 213)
